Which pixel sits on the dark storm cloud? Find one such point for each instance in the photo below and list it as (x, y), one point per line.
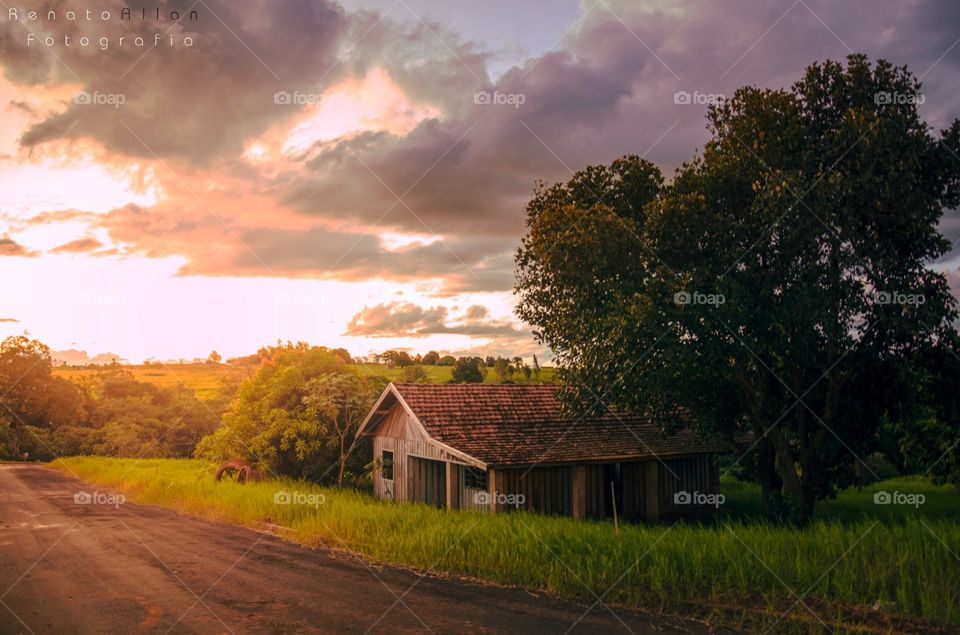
(609, 88)
(192, 103)
(469, 264)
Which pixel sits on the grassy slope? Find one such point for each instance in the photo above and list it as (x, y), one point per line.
(855, 554)
(205, 378)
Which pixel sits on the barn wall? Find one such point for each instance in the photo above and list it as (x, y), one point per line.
(633, 504)
(694, 474)
(647, 487)
(546, 490)
(401, 435)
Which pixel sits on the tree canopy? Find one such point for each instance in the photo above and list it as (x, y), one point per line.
(297, 416)
(781, 275)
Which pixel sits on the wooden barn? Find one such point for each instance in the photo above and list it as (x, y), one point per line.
(506, 447)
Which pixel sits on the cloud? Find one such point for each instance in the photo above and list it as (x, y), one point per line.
(79, 246)
(8, 320)
(405, 319)
(213, 94)
(462, 176)
(76, 357)
(10, 247)
(397, 319)
(213, 247)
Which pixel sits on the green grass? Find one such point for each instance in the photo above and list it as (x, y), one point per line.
(854, 555)
(205, 379)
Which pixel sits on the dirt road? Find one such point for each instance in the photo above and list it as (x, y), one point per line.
(67, 567)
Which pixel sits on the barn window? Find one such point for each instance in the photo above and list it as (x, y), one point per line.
(387, 465)
(474, 478)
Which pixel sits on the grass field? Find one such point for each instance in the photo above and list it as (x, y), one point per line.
(873, 568)
(206, 379)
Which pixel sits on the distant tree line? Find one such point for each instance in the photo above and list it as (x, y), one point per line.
(109, 413)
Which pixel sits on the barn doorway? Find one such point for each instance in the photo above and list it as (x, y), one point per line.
(612, 473)
(426, 482)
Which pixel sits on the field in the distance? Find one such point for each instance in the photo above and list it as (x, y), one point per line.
(859, 567)
(206, 379)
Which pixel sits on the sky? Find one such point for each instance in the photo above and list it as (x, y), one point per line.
(354, 174)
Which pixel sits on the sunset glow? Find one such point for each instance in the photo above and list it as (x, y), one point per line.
(226, 194)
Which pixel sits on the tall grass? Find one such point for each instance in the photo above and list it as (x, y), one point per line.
(856, 555)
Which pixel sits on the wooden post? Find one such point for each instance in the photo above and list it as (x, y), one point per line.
(578, 494)
(651, 490)
(453, 486)
(613, 503)
(492, 489)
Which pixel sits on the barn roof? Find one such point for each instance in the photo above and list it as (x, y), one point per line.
(521, 424)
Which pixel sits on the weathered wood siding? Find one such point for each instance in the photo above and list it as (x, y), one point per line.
(421, 474)
(426, 481)
(398, 433)
(688, 475)
(633, 504)
(546, 490)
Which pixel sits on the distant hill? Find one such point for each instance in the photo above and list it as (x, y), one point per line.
(207, 379)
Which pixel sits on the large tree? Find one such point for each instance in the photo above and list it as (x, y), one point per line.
(779, 276)
(33, 402)
(297, 416)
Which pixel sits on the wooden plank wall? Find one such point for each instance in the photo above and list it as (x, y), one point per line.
(692, 475)
(426, 481)
(399, 434)
(596, 488)
(632, 475)
(546, 490)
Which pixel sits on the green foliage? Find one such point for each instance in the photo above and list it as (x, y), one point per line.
(297, 416)
(415, 375)
(431, 358)
(110, 413)
(447, 360)
(467, 370)
(132, 418)
(769, 287)
(895, 556)
(32, 401)
(396, 358)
